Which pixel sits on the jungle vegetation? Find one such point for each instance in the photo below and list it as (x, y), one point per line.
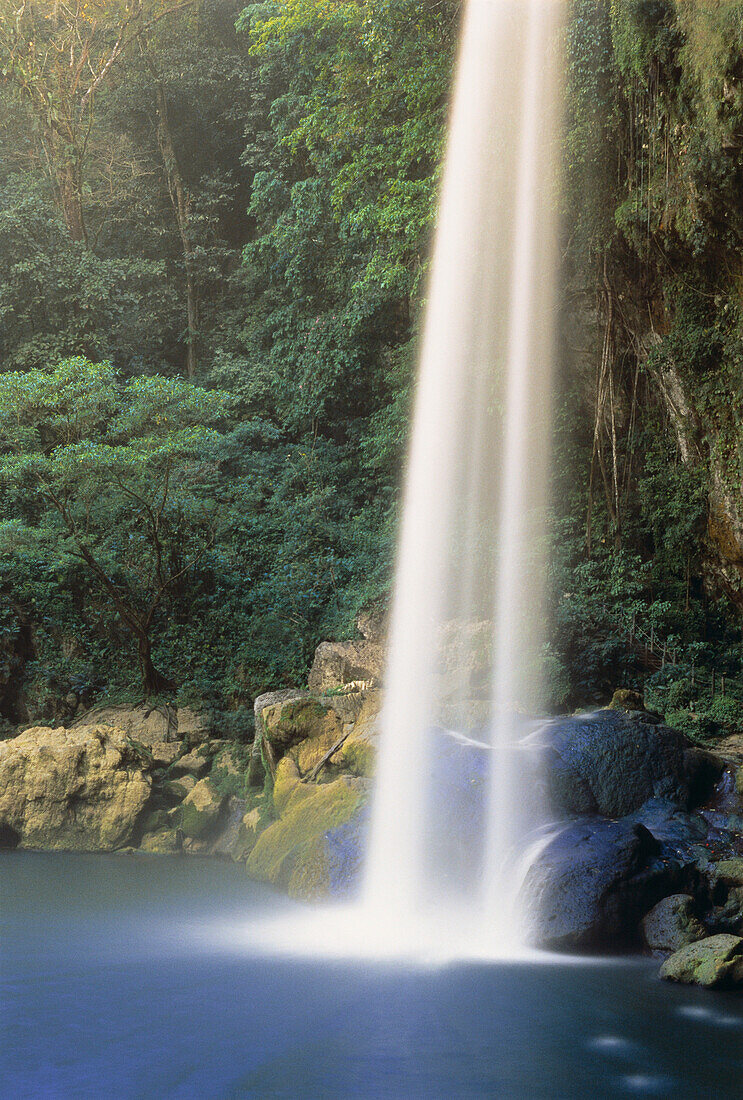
(214, 234)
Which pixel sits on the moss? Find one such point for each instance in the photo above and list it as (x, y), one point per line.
(291, 853)
(200, 811)
(359, 757)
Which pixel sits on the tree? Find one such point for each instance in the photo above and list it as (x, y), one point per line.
(58, 56)
(111, 474)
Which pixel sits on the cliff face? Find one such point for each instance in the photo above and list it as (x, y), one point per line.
(709, 440)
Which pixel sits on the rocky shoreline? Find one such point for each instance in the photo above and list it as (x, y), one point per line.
(648, 855)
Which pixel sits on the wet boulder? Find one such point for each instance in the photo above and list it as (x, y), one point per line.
(592, 883)
(613, 761)
(713, 962)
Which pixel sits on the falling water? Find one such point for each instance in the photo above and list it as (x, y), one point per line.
(466, 631)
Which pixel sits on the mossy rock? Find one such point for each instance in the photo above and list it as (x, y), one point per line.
(288, 722)
(624, 699)
(201, 810)
(729, 872)
(739, 781)
(162, 842)
(715, 961)
(291, 853)
(257, 817)
(178, 789)
(285, 781)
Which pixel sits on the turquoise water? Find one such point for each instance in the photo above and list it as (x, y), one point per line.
(110, 987)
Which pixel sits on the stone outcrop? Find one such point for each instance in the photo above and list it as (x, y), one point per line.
(295, 852)
(81, 789)
(147, 724)
(340, 665)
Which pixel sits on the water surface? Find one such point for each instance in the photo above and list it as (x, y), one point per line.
(109, 987)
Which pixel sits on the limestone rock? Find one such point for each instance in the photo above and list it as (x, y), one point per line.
(162, 842)
(143, 723)
(340, 665)
(201, 810)
(164, 753)
(80, 789)
(147, 724)
(292, 853)
(177, 789)
(371, 623)
(672, 924)
(195, 763)
(715, 961)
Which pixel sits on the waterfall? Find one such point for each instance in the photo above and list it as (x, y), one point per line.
(466, 634)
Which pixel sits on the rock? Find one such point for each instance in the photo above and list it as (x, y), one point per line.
(257, 818)
(80, 789)
(612, 762)
(195, 763)
(142, 723)
(340, 665)
(201, 810)
(739, 781)
(727, 917)
(305, 725)
(712, 962)
(162, 842)
(147, 724)
(371, 623)
(624, 699)
(164, 753)
(177, 789)
(729, 872)
(192, 728)
(672, 924)
(294, 852)
(592, 883)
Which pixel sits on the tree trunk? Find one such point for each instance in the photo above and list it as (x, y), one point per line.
(181, 201)
(153, 682)
(72, 202)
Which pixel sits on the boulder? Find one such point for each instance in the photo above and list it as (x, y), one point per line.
(200, 811)
(339, 665)
(149, 725)
(164, 842)
(371, 623)
(612, 762)
(144, 723)
(295, 853)
(177, 789)
(729, 872)
(164, 753)
(195, 763)
(80, 789)
(672, 924)
(712, 962)
(592, 883)
(307, 726)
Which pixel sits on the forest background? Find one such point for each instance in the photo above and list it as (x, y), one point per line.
(215, 224)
